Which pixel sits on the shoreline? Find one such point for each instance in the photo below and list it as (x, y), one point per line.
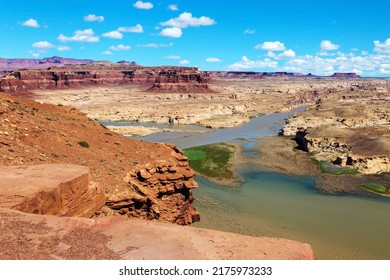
(288, 160)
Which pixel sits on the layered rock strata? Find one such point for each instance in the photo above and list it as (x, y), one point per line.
(165, 79)
(52, 189)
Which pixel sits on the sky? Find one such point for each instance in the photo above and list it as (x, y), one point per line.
(318, 37)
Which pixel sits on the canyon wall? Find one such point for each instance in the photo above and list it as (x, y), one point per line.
(165, 79)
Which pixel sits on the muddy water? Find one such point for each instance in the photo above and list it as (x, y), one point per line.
(256, 127)
(271, 204)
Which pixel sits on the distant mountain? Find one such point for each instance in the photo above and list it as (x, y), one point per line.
(44, 63)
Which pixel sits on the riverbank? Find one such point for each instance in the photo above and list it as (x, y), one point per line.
(281, 155)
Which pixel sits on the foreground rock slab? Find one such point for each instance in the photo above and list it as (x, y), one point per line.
(55, 189)
(29, 236)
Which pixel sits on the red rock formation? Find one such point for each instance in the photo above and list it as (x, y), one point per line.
(32, 133)
(52, 189)
(166, 79)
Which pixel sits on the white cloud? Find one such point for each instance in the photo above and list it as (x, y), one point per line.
(86, 35)
(143, 5)
(287, 54)
(173, 7)
(120, 47)
(213, 59)
(184, 61)
(249, 31)
(107, 53)
(43, 45)
(271, 46)
(271, 54)
(172, 57)
(154, 45)
(31, 23)
(383, 48)
(186, 19)
(246, 63)
(92, 17)
(113, 35)
(172, 32)
(63, 48)
(133, 29)
(327, 45)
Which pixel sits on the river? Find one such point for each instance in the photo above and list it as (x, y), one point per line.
(277, 205)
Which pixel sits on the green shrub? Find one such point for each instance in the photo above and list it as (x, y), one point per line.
(376, 188)
(83, 144)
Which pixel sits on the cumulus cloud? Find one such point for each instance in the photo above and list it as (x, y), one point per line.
(271, 46)
(213, 59)
(63, 48)
(173, 57)
(133, 29)
(245, 64)
(186, 19)
(113, 35)
(86, 35)
(287, 54)
(249, 31)
(383, 48)
(92, 17)
(173, 7)
(31, 23)
(327, 45)
(107, 53)
(43, 45)
(184, 61)
(172, 32)
(143, 5)
(154, 45)
(119, 47)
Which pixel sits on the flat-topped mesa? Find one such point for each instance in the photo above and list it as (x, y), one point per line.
(162, 78)
(345, 75)
(249, 74)
(180, 79)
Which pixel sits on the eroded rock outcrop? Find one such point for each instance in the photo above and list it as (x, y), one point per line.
(52, 189)
(32, 133)
(352, 133)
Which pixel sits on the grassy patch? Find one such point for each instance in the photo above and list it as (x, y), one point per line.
(377, 188)
(327, 168)
(241, 139)
(212, 160)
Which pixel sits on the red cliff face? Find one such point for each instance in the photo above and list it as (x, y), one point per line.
(166, 79)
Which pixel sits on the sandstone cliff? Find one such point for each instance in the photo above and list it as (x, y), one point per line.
(32, 133)
(164, 78)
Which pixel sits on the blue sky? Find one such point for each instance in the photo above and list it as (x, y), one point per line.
(319, 37)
